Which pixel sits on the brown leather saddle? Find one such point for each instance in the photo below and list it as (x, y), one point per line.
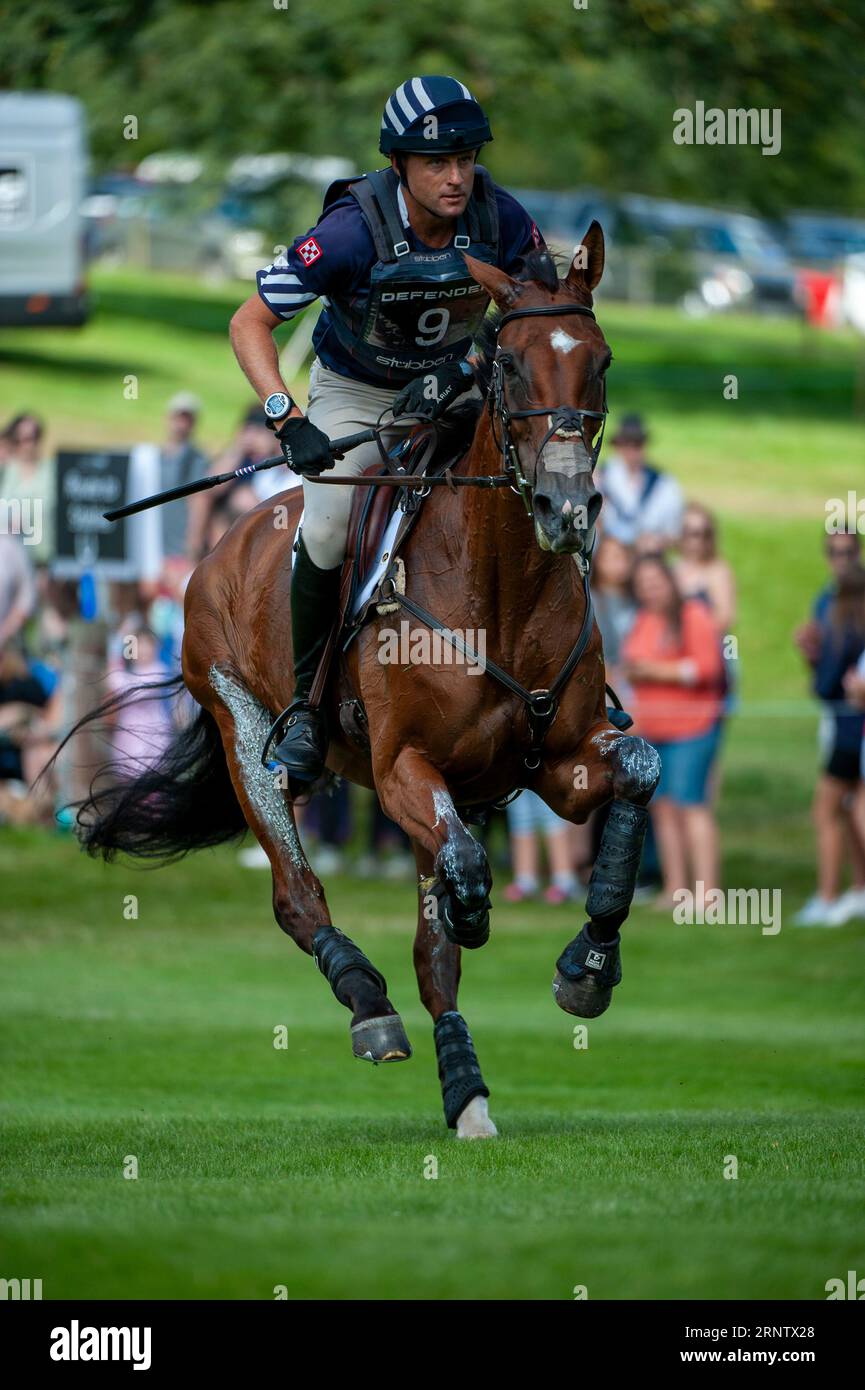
(428, 451)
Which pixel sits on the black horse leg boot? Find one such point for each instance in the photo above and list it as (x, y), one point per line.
(314, 594)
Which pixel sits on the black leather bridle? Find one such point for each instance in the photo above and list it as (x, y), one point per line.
(541, 705)
(562, 417)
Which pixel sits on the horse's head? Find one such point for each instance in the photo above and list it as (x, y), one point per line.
(547, 363)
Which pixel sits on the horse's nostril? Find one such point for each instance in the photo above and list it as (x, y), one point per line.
(581, 514)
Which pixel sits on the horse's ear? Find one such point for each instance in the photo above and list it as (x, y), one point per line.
(587, 267)
(497, 283)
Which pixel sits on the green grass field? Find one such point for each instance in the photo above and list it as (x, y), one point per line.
(259, 1167)
(301, 1167)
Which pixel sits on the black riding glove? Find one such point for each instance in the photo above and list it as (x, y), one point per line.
(305, 447)
(431, 394)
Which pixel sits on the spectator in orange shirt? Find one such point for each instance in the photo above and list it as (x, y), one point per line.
(673, 662)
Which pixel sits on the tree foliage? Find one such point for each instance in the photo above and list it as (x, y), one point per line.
(576, 96)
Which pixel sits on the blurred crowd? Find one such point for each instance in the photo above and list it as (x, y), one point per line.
(43, 662)
(665, 600)
(832, 643)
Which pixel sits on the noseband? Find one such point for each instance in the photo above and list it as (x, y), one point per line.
(563, 417)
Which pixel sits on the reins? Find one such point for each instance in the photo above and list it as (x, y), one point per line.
(542, 705)
(564, 419)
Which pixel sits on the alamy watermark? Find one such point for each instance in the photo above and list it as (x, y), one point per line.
(845, 518)
(77, 1343)
(731, 907)
(22, 516)
(423, 646)
(20, 1290)
(733, 126)
(853, 1288)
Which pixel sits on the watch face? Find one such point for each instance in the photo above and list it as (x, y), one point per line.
(277, 405)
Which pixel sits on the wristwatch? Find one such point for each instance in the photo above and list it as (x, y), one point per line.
(278, 405)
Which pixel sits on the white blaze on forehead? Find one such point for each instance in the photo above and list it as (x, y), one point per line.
(563, 342)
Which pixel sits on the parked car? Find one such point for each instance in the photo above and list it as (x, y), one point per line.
(822, 239)
(737, 261)
(668, 252)
(168, 226)
(171, 213)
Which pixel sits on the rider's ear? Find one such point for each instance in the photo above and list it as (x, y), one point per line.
(587, 266)
(499, 286)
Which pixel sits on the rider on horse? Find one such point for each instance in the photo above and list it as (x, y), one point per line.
(401, 311)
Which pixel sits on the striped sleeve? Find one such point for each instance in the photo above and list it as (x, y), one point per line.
(283, 291)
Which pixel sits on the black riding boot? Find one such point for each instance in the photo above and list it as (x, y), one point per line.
(314, 594)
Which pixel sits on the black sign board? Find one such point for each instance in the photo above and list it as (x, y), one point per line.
(88, 484)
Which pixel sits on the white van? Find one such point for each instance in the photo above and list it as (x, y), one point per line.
(43, 169)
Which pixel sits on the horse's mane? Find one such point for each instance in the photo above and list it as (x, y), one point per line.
(540, 267)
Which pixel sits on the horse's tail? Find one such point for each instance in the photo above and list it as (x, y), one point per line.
(184, 801)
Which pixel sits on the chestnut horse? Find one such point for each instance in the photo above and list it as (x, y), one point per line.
(441, 738)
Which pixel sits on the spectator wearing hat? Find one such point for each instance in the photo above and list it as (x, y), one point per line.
(643, 506)
(180, 462)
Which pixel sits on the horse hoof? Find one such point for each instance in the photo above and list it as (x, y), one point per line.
(475, 1122)
(585, 997)
(380, 1040)
(470, 931)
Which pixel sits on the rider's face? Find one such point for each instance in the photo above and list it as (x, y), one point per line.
(442, 183)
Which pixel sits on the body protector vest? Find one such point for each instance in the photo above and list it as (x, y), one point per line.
(421, 309)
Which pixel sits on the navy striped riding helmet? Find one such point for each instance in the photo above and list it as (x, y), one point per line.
(433, 114)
